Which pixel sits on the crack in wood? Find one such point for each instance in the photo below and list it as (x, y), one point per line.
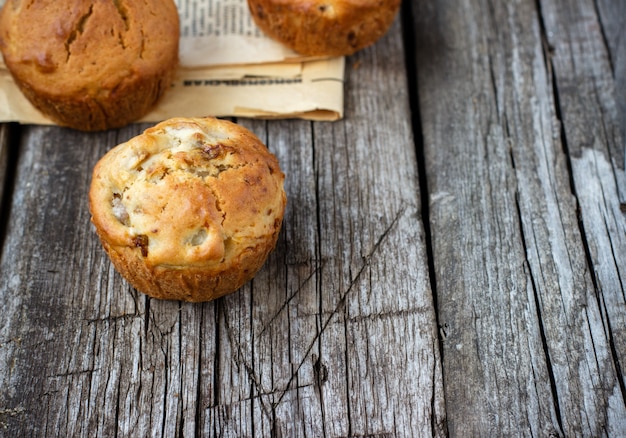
(112, 319)
(542, 333)
(285, 304)
(341, 303)
(277, 394)
(238, 358)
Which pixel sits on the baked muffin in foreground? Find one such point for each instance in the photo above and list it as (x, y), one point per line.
(190, 209)
(91, 65)
(324, 27)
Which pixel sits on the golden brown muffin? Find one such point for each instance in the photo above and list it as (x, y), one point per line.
(91, 65)
(324, 27)
(190, 209)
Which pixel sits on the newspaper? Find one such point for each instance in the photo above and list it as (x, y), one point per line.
(228, 67)
(222, 32)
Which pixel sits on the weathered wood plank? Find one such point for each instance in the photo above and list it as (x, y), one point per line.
(516, 297)
(336, 336)
(613, 19)
(386, 307)
(4, 162)
(588, 92)
(46, 286)
(590, 67)
(612, 15)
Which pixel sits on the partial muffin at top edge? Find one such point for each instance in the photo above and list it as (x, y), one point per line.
(190, 209)
(91, 65)
(324, 27)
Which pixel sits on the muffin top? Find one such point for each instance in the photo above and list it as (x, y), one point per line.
(188, 193)
(74, 46)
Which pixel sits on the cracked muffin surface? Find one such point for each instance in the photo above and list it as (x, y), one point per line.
(91, 65)
(190, 209)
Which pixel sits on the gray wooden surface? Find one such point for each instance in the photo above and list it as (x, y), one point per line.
(524, 166)
(452, 261)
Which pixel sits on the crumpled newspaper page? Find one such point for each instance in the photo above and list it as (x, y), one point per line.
(228, 67)
(310, 90)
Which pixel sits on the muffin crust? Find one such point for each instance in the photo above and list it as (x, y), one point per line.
(91, 65)
(190, 209)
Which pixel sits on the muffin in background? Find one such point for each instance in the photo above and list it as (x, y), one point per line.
(190, 209)
(325, 27)
(91, 65)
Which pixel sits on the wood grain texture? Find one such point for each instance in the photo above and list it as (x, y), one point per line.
(517, 295)
(590, 110)
(4, 163)
(612, 16)
(336, 336)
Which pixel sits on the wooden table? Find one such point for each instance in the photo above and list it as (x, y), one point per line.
(452, 261)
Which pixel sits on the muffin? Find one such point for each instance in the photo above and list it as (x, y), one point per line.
(91, 65)
(190, 209)
(324, 27)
